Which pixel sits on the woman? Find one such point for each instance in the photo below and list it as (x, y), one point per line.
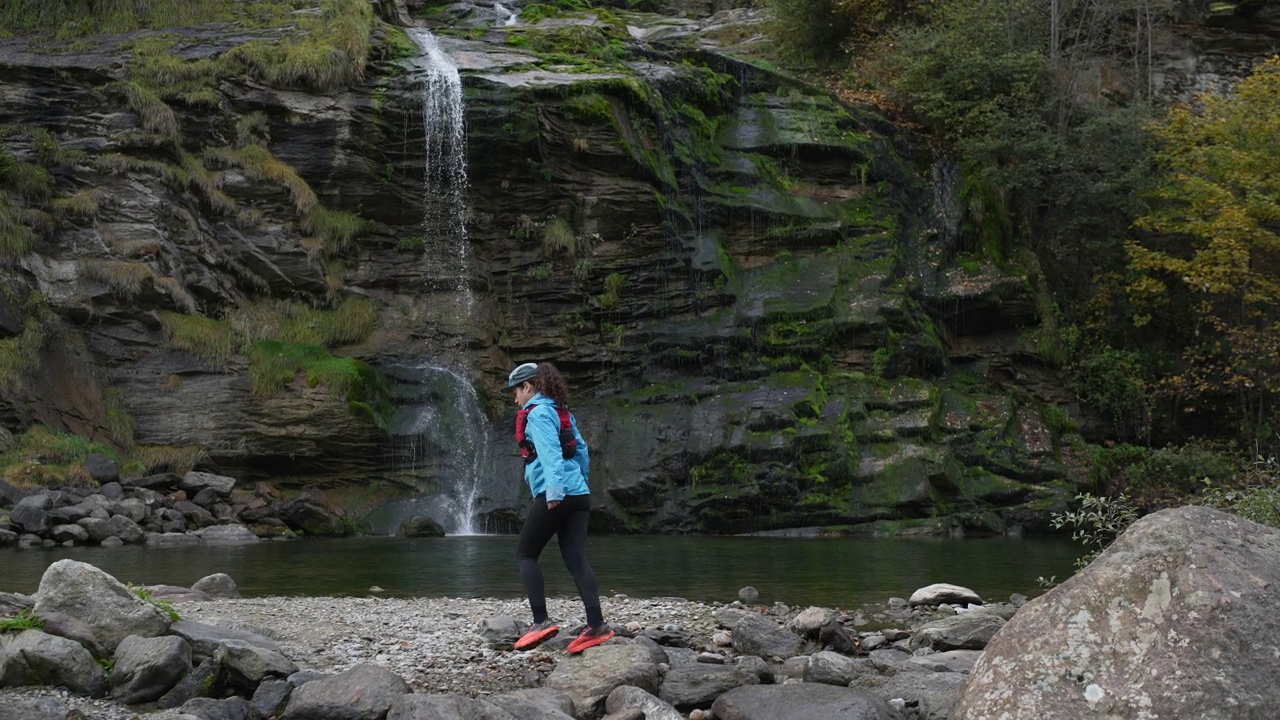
(556, 469)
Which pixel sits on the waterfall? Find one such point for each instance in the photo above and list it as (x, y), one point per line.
(445, 132)
(510, 15)
(440, 431)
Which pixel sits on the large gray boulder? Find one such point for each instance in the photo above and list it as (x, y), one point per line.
(205, 639)
(633, 698)
(757, 635)
(697, 685)
(538, 704)
(109, 608)
(590, 677)
(800, 701)
(1176, 619)
(245, 664)
(971, 631)
(365, 692)
(31, 708)
(147, 668)
(36, 658)
(193, 482)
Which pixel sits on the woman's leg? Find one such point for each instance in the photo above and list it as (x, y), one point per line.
(573, 549)
(537, 532)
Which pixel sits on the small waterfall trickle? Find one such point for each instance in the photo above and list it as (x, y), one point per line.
(446, 186)
(439, 431)
(510, 17)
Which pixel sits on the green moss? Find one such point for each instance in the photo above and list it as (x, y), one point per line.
(21, 354)
(591, 108)
(276, 365)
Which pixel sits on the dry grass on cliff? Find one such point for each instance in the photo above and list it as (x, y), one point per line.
(214, 341)
(129, 279)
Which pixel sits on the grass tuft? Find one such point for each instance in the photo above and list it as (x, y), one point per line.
(258, 163)
(157, 117)
(41, 457)
(211, 340)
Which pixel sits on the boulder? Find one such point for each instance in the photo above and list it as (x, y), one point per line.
(800, 701)
(309, 513)
(365, 692)
(590, 677)
(109, 608)
(757, 635)
(697, 685)
(200, 681)
(31, 708)
(217, 585)
(193, 482)
(1169, 621)
(232, 708)
(205, 639)
(227, 535)
(246, 664)
(832, 669)
(971, 631)
(929, 695)
(147, 668)
(420, 526)
(627, 697)
(102, 468)
(940, 593)
(33, 657)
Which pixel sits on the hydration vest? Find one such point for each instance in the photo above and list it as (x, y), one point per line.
(568, 441)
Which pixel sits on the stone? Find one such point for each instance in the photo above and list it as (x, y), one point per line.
(205, 639)
(958, 632)
(103, 603)
(627, 697)
(588, 678)
(232, 708)
(810, 621)
(420, 526)
(147, 668)
(699, 684)
(800, 701)
(365, 692)
(29, 708)
(757, 635)
(246, 664)
(1129, 635)
(217, 585)
(227, 535)
(33, 657)
(102, 468)
(956, 661)
(940, 593)
(193, 482)
(748, 594)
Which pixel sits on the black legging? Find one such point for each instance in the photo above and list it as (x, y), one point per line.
(569, 522)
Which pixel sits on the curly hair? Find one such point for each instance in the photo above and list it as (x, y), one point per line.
(550, 382)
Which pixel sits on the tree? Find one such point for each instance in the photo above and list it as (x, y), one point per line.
(1213, 261)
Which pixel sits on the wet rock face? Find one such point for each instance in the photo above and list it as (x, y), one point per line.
(743, 279)
(1113, 639)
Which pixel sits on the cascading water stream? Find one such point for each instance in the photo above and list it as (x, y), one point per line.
(509, 16)
(445, 135)
(440, 430)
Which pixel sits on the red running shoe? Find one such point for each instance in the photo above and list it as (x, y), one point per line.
(590, 638)
(537, 634)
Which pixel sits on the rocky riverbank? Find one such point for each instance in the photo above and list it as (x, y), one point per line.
(1126, 637)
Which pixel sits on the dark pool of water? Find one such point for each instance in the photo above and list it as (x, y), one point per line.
(821, 571)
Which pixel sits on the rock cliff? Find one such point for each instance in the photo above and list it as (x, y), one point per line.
(756, 290)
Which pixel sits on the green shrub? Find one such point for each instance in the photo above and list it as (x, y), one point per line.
(1253, 494)
(1097, 522)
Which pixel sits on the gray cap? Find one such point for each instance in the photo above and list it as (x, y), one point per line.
(522, 374)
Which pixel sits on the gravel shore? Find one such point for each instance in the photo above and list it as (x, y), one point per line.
(432, 643)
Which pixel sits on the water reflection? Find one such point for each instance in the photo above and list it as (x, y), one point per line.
(827, 571)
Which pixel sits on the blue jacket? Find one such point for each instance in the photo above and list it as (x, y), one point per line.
(550, 472)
